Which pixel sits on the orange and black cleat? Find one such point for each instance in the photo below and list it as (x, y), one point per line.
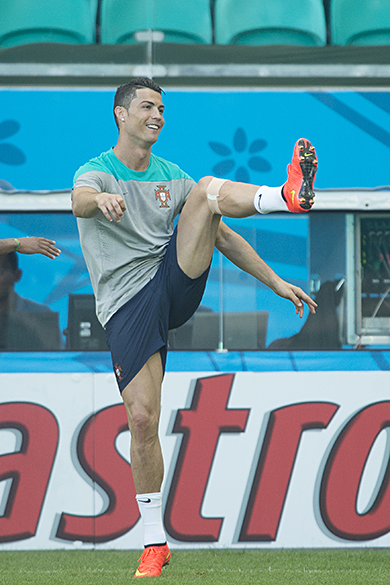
(153, 559)
(298, 190)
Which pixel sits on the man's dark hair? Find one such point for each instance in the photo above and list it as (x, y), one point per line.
(126, 93)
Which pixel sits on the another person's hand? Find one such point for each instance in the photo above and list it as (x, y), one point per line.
(34, 245)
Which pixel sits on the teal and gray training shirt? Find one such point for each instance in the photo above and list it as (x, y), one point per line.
(122, 257)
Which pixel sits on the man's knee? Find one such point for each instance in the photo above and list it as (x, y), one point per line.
(211, 187)
(143, 422)
(142, 414)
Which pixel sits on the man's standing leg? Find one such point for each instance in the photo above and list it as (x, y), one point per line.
(142, 399)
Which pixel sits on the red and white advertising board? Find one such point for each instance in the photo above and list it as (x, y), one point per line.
(268, 460)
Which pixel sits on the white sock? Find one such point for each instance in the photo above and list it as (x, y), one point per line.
(150, 507)
(269, 199)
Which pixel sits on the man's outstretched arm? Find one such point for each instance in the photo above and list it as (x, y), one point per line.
(238, 251)
(87, 202)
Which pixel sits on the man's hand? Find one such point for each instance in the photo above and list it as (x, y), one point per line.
(111, 205)
(295, 295)
(87, 202)
(35, 245)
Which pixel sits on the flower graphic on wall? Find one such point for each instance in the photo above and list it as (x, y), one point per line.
(10, 154)
(241, 157)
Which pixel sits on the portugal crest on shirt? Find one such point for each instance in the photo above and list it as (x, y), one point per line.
(118, 372)
(162, 194)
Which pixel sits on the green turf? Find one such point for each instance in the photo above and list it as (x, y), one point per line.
(361, 566)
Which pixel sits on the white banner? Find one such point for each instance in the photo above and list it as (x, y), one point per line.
(269, 460)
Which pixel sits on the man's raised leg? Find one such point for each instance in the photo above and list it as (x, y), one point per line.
(211, 198)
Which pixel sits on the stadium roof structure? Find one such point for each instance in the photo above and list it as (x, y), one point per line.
(172, 64)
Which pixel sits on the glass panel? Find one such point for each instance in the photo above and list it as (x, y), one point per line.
(282, 241)
(340, 259)
(34, 290)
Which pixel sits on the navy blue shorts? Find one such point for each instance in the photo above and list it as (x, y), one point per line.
(140, 327)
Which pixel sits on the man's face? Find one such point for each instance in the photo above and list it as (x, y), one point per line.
(8, 277)
(144, 120)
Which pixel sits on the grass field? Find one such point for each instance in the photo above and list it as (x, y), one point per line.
(215, 567)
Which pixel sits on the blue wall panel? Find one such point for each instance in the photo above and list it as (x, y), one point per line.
(46, 135)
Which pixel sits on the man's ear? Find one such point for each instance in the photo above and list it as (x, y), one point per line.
(119, 112)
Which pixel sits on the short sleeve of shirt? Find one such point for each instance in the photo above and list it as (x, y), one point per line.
(90, 179)
(92, 174)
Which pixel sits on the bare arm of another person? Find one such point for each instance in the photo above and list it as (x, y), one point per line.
(30, 245)
(238, 251)
(87, 202)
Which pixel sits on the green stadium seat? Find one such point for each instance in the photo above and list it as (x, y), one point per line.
(272, 22)
(93, 4)
(179, 21)
(45, 21)
(360, 22)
